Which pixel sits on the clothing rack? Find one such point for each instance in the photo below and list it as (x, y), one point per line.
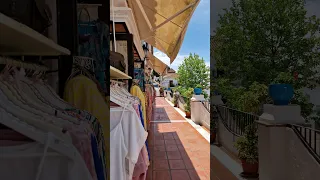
(21, 64)
(117, 82)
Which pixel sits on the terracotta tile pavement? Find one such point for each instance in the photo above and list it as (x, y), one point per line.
(178, 151)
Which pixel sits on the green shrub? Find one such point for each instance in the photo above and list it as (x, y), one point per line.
(247, 145)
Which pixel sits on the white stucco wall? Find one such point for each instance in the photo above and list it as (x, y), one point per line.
(166, 82)
(282, 155)
(199, 114)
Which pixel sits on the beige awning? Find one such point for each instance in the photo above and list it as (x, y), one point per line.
(157, 64)
(163, 23)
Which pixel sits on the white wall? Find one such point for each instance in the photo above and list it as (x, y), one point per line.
(166, 82)
(282, 155)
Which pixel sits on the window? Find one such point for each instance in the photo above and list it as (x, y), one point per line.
(171, 83)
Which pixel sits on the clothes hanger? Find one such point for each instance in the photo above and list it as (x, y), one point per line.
(16, 98)
(32, 119)
(30, 116)
(35, 102)
(116, 87)
(115, 94)
(114, 97)
(79, 64)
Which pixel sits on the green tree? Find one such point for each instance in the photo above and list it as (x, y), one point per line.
(193, 72)
(264, 41)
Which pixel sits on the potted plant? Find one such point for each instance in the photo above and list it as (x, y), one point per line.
(281, 94)
(247, 147)
(197, 90)
(187, 98)
(187, 109)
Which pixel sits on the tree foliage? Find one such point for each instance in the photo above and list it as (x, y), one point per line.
(257, 39)
(193, 72)
(260, 42)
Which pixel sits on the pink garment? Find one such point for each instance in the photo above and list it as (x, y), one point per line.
(81, 140)
(80, 135)
(136, 108)
(141, 167)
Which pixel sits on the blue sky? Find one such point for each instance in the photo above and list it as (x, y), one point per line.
(197, 38)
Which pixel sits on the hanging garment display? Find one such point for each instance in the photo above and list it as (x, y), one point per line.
(150, 99)
(136, 91)
(30, 108)
(82, 93)
(128, 152)
(94, 43)
(139, 75)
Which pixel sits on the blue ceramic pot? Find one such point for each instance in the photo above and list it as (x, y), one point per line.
(197, 91)
(281, 94)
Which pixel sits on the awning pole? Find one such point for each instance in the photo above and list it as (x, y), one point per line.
(175, 15)
(114, 28)
(144, 13)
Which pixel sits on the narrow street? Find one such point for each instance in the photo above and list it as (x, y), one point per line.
(177, 150)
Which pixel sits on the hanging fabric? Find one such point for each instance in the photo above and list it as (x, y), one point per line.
(136, 91)
(127, 136)
(83, 94)
(30, 108)
(94, 43)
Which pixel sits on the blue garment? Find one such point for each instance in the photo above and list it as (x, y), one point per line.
(98, 162)
(142, 121)
(96, 46)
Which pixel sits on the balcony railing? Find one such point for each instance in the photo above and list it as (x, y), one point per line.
(235, 121)
(310, 138)
(206, 104)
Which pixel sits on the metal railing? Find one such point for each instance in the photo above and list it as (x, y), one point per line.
(310, 138)
(206, 104)
(235, 121)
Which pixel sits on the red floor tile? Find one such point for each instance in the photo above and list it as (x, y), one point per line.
(172, 147)
(180, 175)
(159, 148)
(161, 175)
(193, 174)
(170, 142)
(159, 155)
(160, 164)
(159, 142)
(174, 155)
(178, 151)
(176, 164)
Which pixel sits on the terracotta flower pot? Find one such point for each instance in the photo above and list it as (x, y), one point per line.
(188, 114)
(249, 168)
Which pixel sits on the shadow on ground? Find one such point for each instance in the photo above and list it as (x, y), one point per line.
(177, 150)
